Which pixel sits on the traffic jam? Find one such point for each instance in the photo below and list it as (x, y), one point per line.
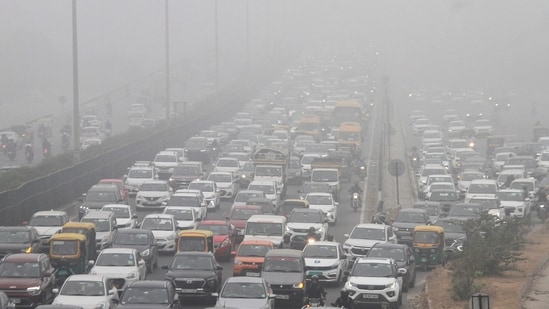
(264, 210)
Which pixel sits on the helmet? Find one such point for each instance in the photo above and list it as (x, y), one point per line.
(381, 217)
(312, 229)
(314, 277)
(344, 292)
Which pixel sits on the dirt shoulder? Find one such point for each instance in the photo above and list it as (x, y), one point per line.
(505, 289)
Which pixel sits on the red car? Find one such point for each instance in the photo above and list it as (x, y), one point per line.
(120, 184)
(239, 216)
(223, 237)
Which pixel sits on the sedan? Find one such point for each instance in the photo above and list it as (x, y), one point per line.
(187, 218)
(246, 293)
(126, 218)
(150, 294)
(121, 265)
(210, 191)
(141, 240)
(403, 256)
(164, 229)
(87, 291)
(327, 260)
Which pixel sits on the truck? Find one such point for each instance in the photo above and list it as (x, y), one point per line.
(350, 136)
(272, 164)
(336, 161)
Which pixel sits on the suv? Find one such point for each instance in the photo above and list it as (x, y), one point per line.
(195, 274)
(98, 196)
(284, 270)
(299, 222)
(165, 162)
(198, 149)
(375, 281)
(404, 258)
(138, 173)
(16, 239)
(406, 220)
(364, 236)
(47, 223)
(185, 173)
(190, 198)
(27, 279)
(105, 226)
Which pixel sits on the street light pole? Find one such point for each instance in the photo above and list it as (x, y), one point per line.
(167, 86)
(248, 33)
(216, 48)
(75, 94)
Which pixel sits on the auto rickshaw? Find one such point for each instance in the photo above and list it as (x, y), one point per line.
(195, 240)
(68, 255)
(85, 228)
(428, 245)
(290, 204)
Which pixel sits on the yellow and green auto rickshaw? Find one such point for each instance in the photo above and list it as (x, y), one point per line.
(428, 245)
(85, 228)
(195, 240)
(68, 255)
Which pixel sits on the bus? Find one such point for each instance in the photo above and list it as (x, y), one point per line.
(347, 111)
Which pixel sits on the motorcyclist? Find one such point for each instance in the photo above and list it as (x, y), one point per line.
(379, 218)
(315, 290)
(541, 196)
(356, 189)
(29, 153)
(343, 301)
(46, 145)
(312, 234)
(12, 149)
(5, 140)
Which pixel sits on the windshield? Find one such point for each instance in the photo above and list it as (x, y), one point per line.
(20, 270)
(227, 163)
(519, 185)
(271, 171)
(101, 196)
(431, 209)
(145, 296)
(186, 171)
(367, 233)
(244, 213)
(220, 177)
(444, 196)
(373, 270)
(396, 254)
(101, 225)
(410, 217)
(140, 173)
(159, 224)
(180, 214)
(471, 176)
(465, 211)
(217, 229)
(119, 212)
(196, 144)
(264, 229)
(253, 250)
(165, 158)
(322, 252)
(46, 221)
(202, 186)
(324, 176)
(267, 189)
(132, 239)
(147, 186)
(482, 188)
(243, 197)
(64, 247)
(115, 260)
(486, 203)
(83, 288)
(511, 196)
(283, 264)
(429, 171)
(177, 200)
(305, 217)
(15, 237)
(243, 290)
(426, 237)
(439, 179)
(316, 187)
(191, 262)
(319, 199)
(451, 226)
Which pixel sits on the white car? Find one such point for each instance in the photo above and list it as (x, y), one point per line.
(483, 127)
(153, 194)
(268, 187)
(479, 188)
(364, 236)
(515, 201)
(187, 218)
(543, 161)
(420, 125)
(88, 292)
(164, 229)
(121, 265)
(439, 186)
(326, 203)
(190, 198)
(86, 143)
(226, 183)
(465, 179)
(431, 137)
(327, 260)
(138, 173)
(209, 190)
(456, 127)
(229, 165)
(126, 218)
(301, 219)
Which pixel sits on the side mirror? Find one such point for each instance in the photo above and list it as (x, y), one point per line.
(91, 262)
(336, 204)
(55, 291)
(215, 294)
(219, 267)
(346, 235)
(233, 253)
(401, 272)
(112, 292)
(272, 296)
(134, 216)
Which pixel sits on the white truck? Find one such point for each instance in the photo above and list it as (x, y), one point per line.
(271, 164)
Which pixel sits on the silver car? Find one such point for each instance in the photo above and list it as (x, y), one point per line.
(246, 293)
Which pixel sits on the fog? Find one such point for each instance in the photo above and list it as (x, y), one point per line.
(496, 45)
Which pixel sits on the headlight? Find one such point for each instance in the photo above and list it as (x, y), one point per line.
(146, 252)
(352, 284)
(211, 283)
(395, 229)
(335, 265)
(298, 285)
(27, 250)
(331, 209)
(170, 238)
(288, 229)
(237, 262)
(225, 243)
(131, 275)
(33, 290)
(391, 293)
(101, 306)
(390, 285)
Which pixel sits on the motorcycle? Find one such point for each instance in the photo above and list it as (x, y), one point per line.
(542, 212)
(46, 151)
(313, 302)
(362, 172)
(5, 148)
(355, 201)
(29, 156)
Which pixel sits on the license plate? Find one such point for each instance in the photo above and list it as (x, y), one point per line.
(315, 273)
(188, 291)
(253, 274)
(370, 296)
(278, 296)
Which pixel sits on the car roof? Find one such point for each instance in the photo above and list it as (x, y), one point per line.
(118, 250)
(284, 253)
(414, 210)
(156, 181)
(261, 242)
(17, 228)
(160, 216)
(371, 226)
(23, 257)
(245, 279)
(50, 213)
(98, 214)
(324, 243)
(214, 222)
(193, 253)
(390, 245)
(375, 260)
(117, 206)
(306, 210)
(85, 277)
(148, 283)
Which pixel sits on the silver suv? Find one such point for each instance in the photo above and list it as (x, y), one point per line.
(375, 281)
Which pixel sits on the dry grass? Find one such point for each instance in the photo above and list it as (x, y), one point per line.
(504, 289)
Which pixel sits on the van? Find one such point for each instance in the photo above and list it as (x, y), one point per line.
(266, 227)
(284, 270)
(105, 226)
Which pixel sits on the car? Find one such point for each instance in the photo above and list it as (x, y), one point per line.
(295, 171)
(58, 306)
(98, 196)
(481, 187)
(243, 196)
(47, 223)
(436, 178)
(210, 191)
(141, 240)
(453, 229)
(228, 165)
(284, 270)
(190, 198)
(515, 202)
(364, 236)
(227, 184)
(120, 265)
(249, 257)
(269, 187)
(267, 207)
(120, 185)
(425, 172)
(150, 294)
(27, 279)
(187, 218)
(153, 194)
(381, 273)
(17, 239)
(195, 274)
(465, 211)
(405, 222)
(403, 256)
(299, 223)
(434, 209)
(165, 162)
(138, 173)
(197, 148)
(90, 141)
(238, 217)
(246, 293)
(327, 260)
(223, 237)
(482, 128)
(105, 226)
(324, 202)
(88, 291)
(164, 228)
(464, 179)
(246, 174)
(310, 187)
(530, 184)
(126, 218)
(185, 173)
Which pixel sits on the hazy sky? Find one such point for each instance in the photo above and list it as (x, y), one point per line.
(491, 44)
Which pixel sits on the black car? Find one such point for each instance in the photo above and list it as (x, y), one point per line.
(150, 294)
(284, 270)
(18, 239)
(195, 274)
(453, 229)
(198, 149)
(403, 256)
(141, 240)
(405, 222)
